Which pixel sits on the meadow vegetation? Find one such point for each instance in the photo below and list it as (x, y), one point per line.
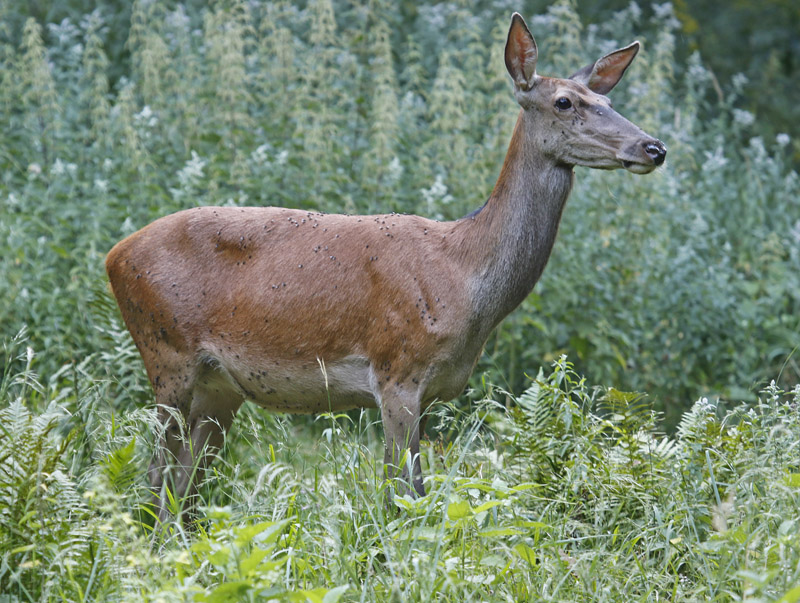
(552, 483)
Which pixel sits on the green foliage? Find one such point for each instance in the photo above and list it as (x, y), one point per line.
(769, 63)
(691, 512)
(567, 493)
(43, 537)
(231, 561)
(682, 284)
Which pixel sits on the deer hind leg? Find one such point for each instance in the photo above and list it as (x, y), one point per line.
(173, 382)
(191, 440)
(400, 414)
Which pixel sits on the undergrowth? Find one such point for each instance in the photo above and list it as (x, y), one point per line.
(567, 492)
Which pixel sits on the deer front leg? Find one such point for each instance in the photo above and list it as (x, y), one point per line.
(400, 413)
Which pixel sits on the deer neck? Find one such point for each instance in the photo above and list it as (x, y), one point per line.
(511, 237)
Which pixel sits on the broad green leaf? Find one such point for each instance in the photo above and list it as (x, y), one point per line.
(250, 562)
(459, 510)
(792, 480)
(537, 525)
(334, 594)
(791, 596)
(494, 561)
(499, 532)
(60, 251)
(481, 485)
(22, 549)
(316, 595)
(524, 487)
(488, 505)
(526, 553)
(220, 557)
(264, 532)
(404, 503)
(425, 533)
(229, 591)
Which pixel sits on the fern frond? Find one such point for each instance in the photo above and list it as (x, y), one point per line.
(120, 468)
(697, 420)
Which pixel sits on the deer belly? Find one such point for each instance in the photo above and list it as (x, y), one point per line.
(306, 387)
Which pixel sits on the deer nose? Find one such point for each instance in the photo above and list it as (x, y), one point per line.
(656, 151)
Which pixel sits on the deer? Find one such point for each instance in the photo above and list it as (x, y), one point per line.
(306, 312)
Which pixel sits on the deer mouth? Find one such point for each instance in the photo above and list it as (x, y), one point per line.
(638, 168)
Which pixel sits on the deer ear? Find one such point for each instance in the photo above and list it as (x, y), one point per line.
(521, 53)
(602, 75)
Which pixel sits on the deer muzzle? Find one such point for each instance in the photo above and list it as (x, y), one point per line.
(643, 157)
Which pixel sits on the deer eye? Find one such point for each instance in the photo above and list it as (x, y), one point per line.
(563, 103)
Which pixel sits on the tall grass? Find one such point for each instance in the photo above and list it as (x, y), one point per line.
(569, 492)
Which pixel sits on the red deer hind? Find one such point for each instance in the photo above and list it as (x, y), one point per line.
(231, 304)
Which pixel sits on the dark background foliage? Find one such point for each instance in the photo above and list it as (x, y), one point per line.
(757, 39)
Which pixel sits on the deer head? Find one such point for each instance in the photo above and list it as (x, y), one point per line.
(572, 120)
